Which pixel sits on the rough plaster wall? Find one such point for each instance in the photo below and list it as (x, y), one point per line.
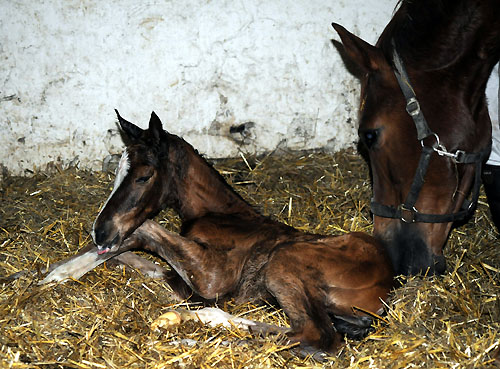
(203, 66)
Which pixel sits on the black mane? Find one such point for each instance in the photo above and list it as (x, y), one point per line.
(434, 34)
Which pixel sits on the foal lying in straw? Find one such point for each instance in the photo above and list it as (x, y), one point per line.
(227, 250)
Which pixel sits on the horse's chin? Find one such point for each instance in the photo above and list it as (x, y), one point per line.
(409, 252)
(439, 264)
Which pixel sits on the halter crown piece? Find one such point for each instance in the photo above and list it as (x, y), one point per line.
(407, 211)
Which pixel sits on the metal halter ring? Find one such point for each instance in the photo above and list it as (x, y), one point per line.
(435, 147)
(407, 215)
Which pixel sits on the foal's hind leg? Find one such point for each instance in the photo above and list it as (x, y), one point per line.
(305, 307)
(215, 317)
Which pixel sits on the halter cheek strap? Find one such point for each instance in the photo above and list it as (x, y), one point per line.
(412, 104)
(407, 211)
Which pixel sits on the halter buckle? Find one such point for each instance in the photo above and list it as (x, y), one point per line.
(412, 106)
(407, 214)
(459, 156)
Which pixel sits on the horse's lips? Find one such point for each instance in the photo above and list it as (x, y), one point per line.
(102, 251)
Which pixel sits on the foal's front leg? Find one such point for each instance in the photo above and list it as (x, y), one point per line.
(78, 265)
(204, 269)
(87, 259)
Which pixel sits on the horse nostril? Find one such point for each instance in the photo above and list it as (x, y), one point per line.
(106, 238)
(99, 236)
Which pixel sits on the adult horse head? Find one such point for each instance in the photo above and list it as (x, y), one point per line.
(424, 122)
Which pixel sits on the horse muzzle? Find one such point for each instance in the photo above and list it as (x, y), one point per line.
(104, 242)
(409, 251)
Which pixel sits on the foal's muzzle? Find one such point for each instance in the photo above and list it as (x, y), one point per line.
(105, 239)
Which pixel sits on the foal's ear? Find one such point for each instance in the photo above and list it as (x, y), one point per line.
(159, 136)
(155, 127)
(366, 56)
(132, 132)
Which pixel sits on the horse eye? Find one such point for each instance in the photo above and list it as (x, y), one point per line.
(369, 137)
(143, 179)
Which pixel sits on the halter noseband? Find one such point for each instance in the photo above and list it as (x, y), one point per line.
(407, 211)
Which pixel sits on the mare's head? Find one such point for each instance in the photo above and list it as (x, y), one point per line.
(449, 48)
(142, 184)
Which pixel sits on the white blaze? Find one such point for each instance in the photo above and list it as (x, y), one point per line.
(121, 173)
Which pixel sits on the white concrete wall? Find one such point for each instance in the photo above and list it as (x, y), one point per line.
(202, 65)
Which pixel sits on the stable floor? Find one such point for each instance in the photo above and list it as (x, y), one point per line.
(103, 320)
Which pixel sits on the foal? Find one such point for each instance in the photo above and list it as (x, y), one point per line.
(226, 249)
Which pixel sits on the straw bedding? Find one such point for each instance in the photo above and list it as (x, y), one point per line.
(103, 320)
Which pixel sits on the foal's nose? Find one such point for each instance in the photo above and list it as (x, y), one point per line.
(104, 235)
(99, 236)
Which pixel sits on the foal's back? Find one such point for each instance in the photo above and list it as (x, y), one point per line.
(348, 270)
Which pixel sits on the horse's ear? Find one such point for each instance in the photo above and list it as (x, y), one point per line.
(155, 127)
(159, 136)
(366, 56)
(132, 132)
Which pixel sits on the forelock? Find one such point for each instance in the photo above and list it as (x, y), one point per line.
(122, 170)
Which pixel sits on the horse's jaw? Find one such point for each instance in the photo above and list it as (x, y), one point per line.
(408, 247)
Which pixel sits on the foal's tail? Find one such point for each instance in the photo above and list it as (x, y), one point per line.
(354, 327)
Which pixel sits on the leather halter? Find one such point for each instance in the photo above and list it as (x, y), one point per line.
(407, 211)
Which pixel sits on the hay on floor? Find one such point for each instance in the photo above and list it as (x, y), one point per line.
(103, 320)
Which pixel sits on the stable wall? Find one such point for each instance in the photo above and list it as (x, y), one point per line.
(266, 68)
(202, 66)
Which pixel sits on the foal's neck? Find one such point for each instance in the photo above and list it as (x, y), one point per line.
(200, 188)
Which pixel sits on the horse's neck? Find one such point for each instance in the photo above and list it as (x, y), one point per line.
(202, 190)
(433, 35)
(455, 42)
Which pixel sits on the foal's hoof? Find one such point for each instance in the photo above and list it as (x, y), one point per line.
(167, 320)
(312, 350)
(309, 352)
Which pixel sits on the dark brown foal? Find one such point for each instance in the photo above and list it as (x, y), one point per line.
(226, 250)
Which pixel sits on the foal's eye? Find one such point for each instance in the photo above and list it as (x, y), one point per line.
(143, 179)
(369, 137)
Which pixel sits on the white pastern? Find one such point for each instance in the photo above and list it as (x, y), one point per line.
(121, 173)
(74, 268)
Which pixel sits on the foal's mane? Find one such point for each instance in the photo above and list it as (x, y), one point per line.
(432, 34)
(181, 149)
